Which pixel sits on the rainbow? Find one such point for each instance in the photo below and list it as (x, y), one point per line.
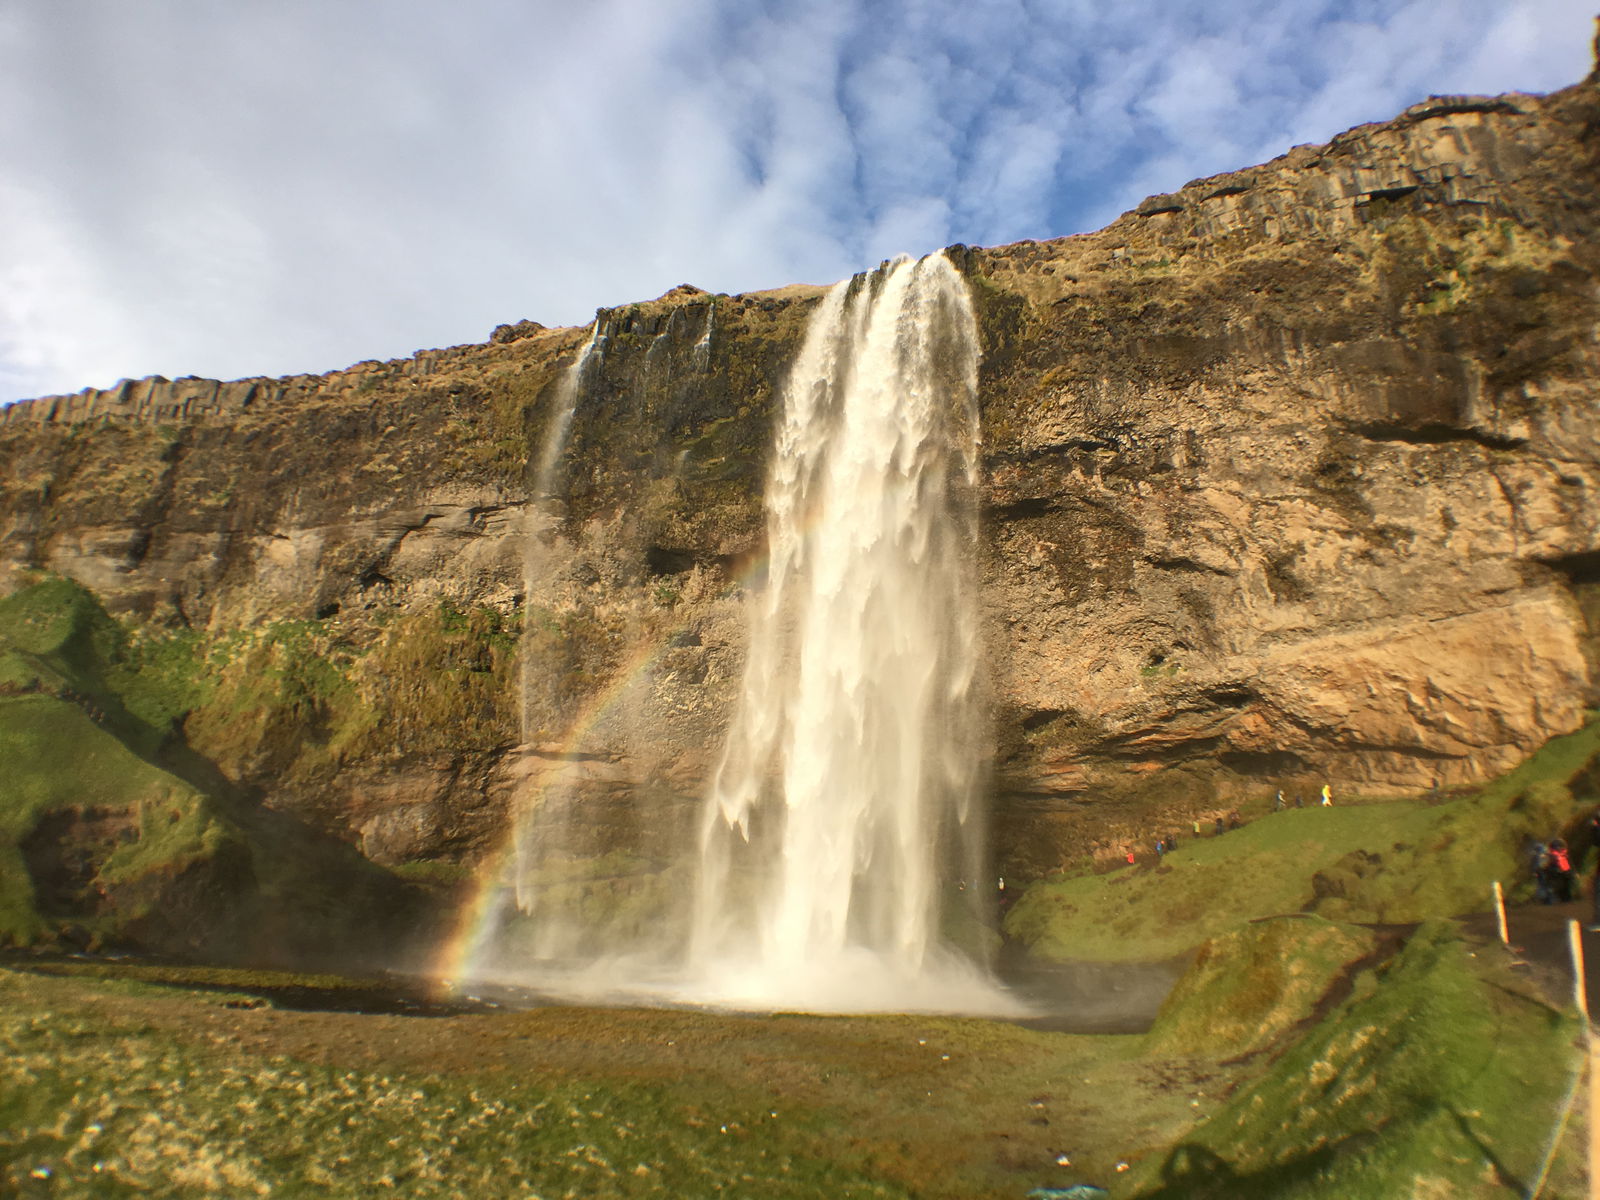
(478, 918)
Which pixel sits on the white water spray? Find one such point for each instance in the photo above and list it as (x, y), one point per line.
(840, 834)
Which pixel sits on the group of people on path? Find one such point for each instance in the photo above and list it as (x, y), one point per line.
(1166, 845)
(1551, 866)
(1279, 803)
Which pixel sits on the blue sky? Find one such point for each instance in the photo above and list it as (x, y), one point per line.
(195, 187)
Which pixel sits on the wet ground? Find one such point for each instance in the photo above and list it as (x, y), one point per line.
(1540, 940)
(1083, 998)
(939, 1106)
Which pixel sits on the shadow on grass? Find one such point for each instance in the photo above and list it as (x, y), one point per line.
(278, 892)
(1196, 1172)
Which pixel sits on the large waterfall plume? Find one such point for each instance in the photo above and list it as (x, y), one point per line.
(838, 859)
(841, 846)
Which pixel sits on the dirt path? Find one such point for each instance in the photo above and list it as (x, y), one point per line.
(1539, 938)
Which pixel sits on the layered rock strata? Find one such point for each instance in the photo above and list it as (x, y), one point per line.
(1289, 478)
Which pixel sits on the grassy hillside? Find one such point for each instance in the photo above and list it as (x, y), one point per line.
(130, 816)
(1402, 861)
(1443, 1074)
(113, 830)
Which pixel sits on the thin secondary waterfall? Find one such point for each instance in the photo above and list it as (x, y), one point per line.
(564, 404)
(840, 836)
(546, 837)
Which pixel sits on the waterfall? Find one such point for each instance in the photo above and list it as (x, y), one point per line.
(545, 837)
(563, 405)
(840, 835)
(702, 348)
(838, 862)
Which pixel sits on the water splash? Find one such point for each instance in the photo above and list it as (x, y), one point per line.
(840, 837)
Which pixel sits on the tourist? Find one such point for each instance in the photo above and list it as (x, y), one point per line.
(1560, 871)
(1233, 820)
(1539, 868)
(1131, 859)
(1221, 827)
(1277, 804)
(1327, 796)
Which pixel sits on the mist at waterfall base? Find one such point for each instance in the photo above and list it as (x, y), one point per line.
(837, 861)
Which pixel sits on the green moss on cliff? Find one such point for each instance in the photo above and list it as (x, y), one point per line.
(55, 638)
(300, 697)
(437, 680)
(113, 829)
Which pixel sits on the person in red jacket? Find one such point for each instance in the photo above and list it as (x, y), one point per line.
(1561, 870)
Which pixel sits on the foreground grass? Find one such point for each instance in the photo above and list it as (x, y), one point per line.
(1402, 861)
(99, 1107)
(1285, 1065)
(113, 1085)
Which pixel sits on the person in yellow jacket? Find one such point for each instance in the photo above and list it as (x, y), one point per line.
(1327, 796)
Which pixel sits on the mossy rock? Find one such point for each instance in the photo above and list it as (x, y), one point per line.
(115, 832)
(1443, 1074)
(1247, 987)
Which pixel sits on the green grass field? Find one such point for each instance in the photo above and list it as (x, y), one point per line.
(1440, 1070)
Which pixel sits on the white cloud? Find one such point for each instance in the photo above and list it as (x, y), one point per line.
(237, 189)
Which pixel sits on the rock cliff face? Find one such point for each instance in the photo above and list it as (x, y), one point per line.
(1289, 477)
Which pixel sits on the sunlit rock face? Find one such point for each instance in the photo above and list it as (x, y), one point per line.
(1284, 477)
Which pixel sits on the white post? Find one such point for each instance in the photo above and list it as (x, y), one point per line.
(1594, 1114)
(1580, 992)
(1500, 913)
(1580, 995)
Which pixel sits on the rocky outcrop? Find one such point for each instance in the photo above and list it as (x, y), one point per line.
(1289, 478)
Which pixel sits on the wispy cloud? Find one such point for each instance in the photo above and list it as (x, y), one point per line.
(187, 187)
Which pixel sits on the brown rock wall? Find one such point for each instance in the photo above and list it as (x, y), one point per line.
(1289, 476)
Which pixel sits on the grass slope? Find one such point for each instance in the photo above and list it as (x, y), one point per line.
(1250, 986)
(1443, 1075)
(1401, 861)
(71, 764)
(113, 830)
